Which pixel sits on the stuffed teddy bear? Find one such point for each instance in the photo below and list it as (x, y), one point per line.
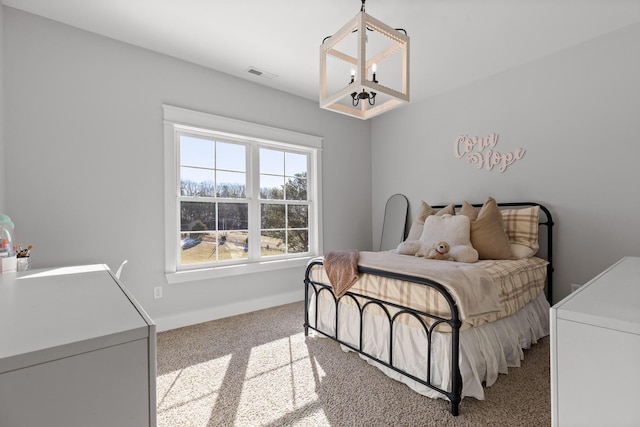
(439, 251)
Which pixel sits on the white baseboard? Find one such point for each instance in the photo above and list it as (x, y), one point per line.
(165, 323)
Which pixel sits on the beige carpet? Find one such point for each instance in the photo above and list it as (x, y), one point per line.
(258, 369)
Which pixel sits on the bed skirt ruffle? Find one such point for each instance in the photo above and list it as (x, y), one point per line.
(485, 351)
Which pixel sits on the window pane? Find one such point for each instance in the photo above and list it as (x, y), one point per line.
(298, 216)
(196, 182)
(196, 152)
(296, 188)
(231, 184)
(198, 247)
(297, 241)
(271, 162)
(197, 216)
(272, 216)
(233, 216)
(272, 243)
(233, 245)
(296, 164)
(231, 157)
(271, 187)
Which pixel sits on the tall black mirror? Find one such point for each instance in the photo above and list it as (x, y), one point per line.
(395, 222)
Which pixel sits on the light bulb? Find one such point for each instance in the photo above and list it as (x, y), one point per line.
(374, 67)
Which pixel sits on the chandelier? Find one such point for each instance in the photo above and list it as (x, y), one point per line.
(366, 50)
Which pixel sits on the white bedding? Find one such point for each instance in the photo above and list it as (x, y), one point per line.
(485, 351)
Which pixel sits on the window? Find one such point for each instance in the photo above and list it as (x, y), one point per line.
(240, 197)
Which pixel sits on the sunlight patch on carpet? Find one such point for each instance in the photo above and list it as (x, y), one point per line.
(184, 396)
(279, 381)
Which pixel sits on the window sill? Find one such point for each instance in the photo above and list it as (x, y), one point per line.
(234, 270)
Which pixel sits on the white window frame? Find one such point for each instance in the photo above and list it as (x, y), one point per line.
(178, 119)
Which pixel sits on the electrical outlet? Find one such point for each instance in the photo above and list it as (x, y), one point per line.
(157, 292)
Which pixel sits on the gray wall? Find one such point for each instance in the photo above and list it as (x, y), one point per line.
(576, 115)
(84, 161)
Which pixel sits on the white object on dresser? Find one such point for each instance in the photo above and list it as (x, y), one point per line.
(75, 350)
(595, 348)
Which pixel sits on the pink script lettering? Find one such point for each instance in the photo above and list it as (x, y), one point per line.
(484, 157)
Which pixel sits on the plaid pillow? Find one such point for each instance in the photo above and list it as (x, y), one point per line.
(521, 226)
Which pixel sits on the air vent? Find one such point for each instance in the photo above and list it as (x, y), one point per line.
(260, 73)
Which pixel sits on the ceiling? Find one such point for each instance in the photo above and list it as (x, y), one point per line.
(453, 42)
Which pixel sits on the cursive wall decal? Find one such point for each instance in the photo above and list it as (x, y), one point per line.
(481, 152)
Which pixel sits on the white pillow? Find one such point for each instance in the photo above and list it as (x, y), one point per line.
(455, 230)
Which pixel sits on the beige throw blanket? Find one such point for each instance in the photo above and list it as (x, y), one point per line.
(342, 270)
(472, 287)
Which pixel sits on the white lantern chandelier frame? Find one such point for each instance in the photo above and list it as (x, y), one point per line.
(362, 90)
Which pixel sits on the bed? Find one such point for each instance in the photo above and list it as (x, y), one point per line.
(445, 329)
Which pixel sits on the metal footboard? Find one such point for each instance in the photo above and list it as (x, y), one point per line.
(363, 301)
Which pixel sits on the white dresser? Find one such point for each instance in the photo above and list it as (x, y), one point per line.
(75, 350)
(595, 351)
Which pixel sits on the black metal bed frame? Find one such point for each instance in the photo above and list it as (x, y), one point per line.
(455, 393)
